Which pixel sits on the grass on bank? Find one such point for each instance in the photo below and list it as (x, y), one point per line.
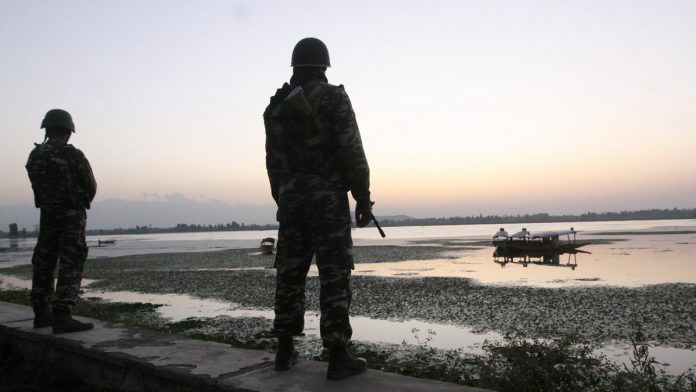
(564, 363)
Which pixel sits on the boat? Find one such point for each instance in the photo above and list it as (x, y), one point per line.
(539, 243)
(267, 246)
(105, 242)
(544, 248)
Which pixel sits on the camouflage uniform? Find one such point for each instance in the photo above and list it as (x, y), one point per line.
(64, 187)
(309, 182)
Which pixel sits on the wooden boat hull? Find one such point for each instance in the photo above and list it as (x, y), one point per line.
(536, 247)
(266, 249)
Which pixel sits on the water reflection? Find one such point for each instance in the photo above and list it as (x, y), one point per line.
(504, 256)
(179, 307)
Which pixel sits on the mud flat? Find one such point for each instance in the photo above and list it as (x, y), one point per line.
(666, 312)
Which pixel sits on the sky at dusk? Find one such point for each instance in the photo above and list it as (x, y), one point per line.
(464, 107)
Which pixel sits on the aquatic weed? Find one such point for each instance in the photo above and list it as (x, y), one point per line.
(16, 296)
(567, 363)
(647, 374)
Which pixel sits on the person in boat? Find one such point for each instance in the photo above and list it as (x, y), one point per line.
(525, 234)
(501, 233)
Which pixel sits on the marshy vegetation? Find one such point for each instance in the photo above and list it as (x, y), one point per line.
(560, 363)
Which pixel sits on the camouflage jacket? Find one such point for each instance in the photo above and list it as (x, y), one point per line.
(293, 164)
(60, 176)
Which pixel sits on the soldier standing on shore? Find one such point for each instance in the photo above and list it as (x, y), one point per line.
(64, 187)
(314, 155)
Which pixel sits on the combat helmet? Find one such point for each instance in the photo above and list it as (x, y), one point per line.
(58, 118)
(310, 52)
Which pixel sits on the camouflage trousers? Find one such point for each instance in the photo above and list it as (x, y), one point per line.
(314, 224)
(61, 244)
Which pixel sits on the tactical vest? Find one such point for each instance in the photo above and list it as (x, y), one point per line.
(53, 178)
(293, 132)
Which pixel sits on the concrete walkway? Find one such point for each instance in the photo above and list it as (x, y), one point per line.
(140, 360)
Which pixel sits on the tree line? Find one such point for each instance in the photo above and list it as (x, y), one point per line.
(183, 228)
(652, 214)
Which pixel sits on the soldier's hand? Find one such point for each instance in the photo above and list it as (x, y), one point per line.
(363, 213)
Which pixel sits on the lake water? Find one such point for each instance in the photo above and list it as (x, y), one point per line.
(635, 260)
(648, 253)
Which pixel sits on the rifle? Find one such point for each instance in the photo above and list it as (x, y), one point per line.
(299, 102)
(379, 228)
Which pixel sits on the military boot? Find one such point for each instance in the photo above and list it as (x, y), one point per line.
(342, 364)
(64, 323)
(42, 317)
(286, 355)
